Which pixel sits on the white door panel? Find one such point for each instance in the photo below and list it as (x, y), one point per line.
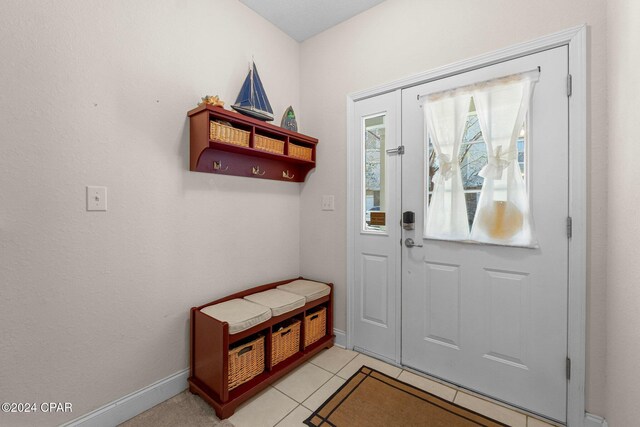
(374, 301)
(442, 299)
(494, 318)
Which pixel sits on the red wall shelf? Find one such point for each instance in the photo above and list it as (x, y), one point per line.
(246, 161)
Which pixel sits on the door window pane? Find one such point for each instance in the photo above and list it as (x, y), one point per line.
(374, 203)
(472, 158)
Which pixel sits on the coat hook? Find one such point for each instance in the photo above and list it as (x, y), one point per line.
(285, 174)
(217, 166)
(256, 171)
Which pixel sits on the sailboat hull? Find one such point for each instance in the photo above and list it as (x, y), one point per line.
(251, 112)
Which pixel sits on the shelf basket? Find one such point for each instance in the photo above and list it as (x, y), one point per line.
(245, 362)
(268, 144)
(315, 326)
(228, 134)
(299, 152)
(285, 343)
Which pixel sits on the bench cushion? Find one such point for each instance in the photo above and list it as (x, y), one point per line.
(239, 314)
(307, 288)
(278, 301)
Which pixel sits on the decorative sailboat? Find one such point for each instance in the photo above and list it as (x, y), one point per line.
(252, 100)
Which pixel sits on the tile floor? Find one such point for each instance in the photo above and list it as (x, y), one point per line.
(292, 399)
(309, 386)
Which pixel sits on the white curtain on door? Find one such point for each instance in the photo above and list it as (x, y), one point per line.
(503, 215)
(445, 118)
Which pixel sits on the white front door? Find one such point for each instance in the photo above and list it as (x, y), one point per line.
(377, 233)
(491, 318)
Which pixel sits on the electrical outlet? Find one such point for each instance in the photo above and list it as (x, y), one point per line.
(328, 203)
(96, 198)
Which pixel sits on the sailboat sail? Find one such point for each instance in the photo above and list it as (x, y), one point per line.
(262, 102)
(252, 99)
(244, 97)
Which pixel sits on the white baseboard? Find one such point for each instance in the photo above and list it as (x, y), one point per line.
(129, 406)
(341, 338)
(591, 420)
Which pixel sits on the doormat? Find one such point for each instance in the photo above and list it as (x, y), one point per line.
(371, 398)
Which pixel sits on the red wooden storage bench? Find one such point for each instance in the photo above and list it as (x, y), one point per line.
(211, 344)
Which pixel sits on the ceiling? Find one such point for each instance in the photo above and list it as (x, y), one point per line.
(302, 19)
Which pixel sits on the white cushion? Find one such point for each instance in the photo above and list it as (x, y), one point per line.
(307, 288)
(238, 313)
(278, 301)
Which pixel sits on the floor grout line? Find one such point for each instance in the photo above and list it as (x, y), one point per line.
(336, 373)
(287, 414)
(316, 390)
(333, 376)
(307, 398)
(285, 395)
(300, 403)
(326, 370)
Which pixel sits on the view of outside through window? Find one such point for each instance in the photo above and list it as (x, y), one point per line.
(472, 158)
(374, 169)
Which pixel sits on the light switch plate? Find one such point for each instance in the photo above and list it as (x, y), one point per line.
(96, 198)
(328, 203)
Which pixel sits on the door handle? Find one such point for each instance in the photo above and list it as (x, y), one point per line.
(399, 150)
(408, 242)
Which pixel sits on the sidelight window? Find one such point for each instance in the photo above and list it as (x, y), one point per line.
(374, 203)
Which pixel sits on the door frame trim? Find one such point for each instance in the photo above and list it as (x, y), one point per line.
(576, 40)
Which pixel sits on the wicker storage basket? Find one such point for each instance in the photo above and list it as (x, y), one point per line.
(299, 152)
(268, 144)
(315, 326)
(245, 362)
(285, 343)
(228, 134)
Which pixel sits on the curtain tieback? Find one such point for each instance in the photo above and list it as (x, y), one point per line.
(497, 163)
(445, 169)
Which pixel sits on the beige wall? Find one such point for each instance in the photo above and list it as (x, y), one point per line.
(399, 38)
(94, 305)
(623, 269)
